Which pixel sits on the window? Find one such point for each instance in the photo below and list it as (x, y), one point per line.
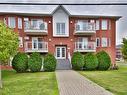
(104, 25)
(20, 42)
(11, 22)
(60, 28)
(20, 23)
(5, 21)
(104, 42)
(109, 42)
(97, 25)
(97, 42)
(109, 24)
(26, 23)
(82, 25)
(37, 24)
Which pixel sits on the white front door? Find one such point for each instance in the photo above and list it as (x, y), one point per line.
(34, 43)
(61, 52)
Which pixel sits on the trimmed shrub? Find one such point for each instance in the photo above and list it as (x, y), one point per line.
(49, 63)
(77, 61)
(20, 62)
(35, 62)
(90, 61)
(104, 60)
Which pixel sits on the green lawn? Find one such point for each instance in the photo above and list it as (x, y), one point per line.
(112, 80)
(41, 83)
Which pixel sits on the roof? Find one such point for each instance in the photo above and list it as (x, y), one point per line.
(39, 10)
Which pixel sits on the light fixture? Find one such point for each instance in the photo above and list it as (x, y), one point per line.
(71, 22)
(49, 22)
(49, 39)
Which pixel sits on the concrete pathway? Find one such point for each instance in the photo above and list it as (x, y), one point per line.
(72, 83)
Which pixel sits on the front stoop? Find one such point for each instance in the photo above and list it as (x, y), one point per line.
(63, 64)
(72, 83)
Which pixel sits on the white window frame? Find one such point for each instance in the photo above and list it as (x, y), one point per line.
(109, 24)
(109, 42)
(61, 30)
(104, 24)
(26, 23)
(98, 39)
(19, 23)
(104, 42)
(20, 42)
(5, 21)
(10, 20)
(97, 25)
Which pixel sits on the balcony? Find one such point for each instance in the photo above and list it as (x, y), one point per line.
(35, 28)
(85, 47)
(41, 47)
(85, 29)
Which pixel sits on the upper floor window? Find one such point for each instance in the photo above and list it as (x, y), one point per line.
(97, 25)
(81, 25)
(60, 28)
(104, 25)
(109, 42)
(35, 24)
(11, 22)
(20, 23)
(38, 24)
(104, 42)
(85, 25)
(97, 42)
(26, 23)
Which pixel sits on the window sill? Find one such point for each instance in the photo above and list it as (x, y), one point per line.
(60, 35)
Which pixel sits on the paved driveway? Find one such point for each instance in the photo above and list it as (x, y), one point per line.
(72, 83)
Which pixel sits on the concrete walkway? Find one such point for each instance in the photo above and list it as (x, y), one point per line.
(72, 83)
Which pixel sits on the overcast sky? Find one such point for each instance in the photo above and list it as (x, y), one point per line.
(118, 10)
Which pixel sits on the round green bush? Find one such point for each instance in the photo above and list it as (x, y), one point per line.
(90, 61)
(77, 61)
(35, 62)
(104, 60)
(49, 63)
(20, 62)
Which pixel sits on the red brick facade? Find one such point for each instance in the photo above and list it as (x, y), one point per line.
(68, 41)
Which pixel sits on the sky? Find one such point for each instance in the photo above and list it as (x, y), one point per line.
(116, 10)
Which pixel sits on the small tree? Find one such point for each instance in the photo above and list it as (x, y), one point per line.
(124, 49)
(8, 45)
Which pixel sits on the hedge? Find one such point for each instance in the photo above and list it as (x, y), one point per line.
(20, 62)
(104, 60)
(35, 62)
(90, 61)
(77, 61)
(49, 63)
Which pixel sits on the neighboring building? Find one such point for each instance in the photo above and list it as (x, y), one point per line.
(61, 33)
(119, 56)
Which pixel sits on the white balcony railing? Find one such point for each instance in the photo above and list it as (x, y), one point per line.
(38, 27)
(85, 47)
(36, 47)
(85, 28)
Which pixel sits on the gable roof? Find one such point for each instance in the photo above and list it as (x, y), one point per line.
(42, 10)
(62, 7)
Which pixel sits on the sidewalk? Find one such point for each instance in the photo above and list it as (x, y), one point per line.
(72, 83)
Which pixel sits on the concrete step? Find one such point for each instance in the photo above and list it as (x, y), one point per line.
(63, 64)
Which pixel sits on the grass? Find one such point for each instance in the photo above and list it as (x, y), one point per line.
(112, 80)
(41, 83)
